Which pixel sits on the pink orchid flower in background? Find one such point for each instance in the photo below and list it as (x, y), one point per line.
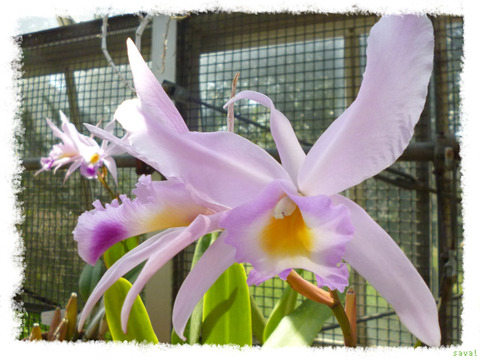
(81, 151)
(277, 216)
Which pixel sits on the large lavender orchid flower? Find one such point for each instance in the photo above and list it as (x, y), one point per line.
(81, 151)
(279, 217)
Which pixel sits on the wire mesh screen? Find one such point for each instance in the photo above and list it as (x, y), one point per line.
(311, 67)
(449, 34)
(65, 70)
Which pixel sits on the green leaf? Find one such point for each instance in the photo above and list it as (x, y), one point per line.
(258, 320)
(301, 326)
(139, 327)
(89, 278)
(226, 310)
(284, 306)
(119, 249)
(193, 329)
(132, 275)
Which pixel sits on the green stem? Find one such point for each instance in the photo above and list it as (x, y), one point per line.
(101, 178)
(343, 321)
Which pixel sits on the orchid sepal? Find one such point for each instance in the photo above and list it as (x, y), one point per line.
(375, 256)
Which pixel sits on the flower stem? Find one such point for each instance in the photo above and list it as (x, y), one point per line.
(351, 311)
(332, 300)
(309, 290)
(230, 113)
(101, 177)
(349, 337)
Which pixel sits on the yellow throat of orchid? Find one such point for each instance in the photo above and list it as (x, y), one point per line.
(286, 233)
(173, 216)
(95, 157)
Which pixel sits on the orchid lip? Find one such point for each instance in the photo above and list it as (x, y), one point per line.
(286, 234)
(282, 230)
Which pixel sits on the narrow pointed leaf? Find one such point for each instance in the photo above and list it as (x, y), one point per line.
(226, 310)
(89, 278)
(139, 327)
(94, 325)
(301, 326)
(258, 320)
(119, 249)
(284, 306)
(194, 326)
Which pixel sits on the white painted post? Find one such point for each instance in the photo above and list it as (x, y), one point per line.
(158, 291)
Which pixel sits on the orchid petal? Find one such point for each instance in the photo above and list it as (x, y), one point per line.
(291, 153)
(71, 134)
(112, 149)
(55, 130)
(71, 169)
(218, 258)
(110, 126)
(311, 234)
(375, 256)
(175, 243)
(214, 163)
(112, 167)
(122, 266)
(122, 145)
(117, 145)
(155, 101)
(60, 162)
(374, 131)
(68, 146)
(165, 204)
